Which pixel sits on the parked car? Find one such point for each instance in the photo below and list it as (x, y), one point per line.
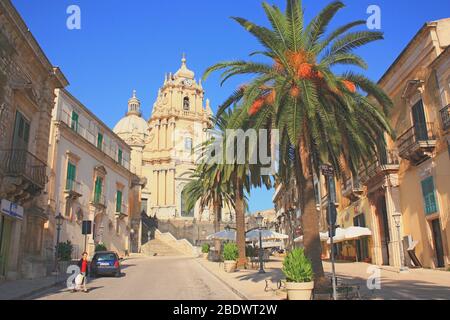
(105, 263)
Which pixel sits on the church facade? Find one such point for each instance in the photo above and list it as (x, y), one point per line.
(163, 147)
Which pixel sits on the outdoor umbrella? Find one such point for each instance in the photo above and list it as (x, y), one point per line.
(339, 236)
(266, 235)
(352, 233)
(223, 235)
(323, 237)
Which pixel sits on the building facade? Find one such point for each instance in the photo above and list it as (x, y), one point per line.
(27, 84)
(403, 195)
(90, 179)
(163, 152)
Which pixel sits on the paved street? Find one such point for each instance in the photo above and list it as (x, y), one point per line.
(151, 278)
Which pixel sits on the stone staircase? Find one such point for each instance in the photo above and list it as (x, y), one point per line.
(165, 244)
(157, 247)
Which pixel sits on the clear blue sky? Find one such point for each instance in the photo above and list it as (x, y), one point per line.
(125, 45)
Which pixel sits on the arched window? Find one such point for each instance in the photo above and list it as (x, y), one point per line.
(186, 104)
(184, 212)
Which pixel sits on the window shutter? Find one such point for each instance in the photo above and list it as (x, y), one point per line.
(118, 201)
(74, 124)
(429, 196)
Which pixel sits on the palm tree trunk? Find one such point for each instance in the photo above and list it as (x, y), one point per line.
(240, 224)
(310, 221)
(217, 209)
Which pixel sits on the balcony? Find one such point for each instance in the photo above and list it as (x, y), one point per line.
(383, 165)
(73, 189)
(27, 173)
(445, 117)
(122, 211)
(417, 143)
(352, 188)
(98, 201)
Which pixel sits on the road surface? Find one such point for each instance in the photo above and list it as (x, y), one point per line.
(150, 278)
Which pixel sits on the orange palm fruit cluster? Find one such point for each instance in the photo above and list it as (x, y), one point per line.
(350, 86)
(294, 91)
(256, 106)
(270, 98)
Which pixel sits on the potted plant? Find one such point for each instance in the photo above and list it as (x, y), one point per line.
(299, 275)
(230, 254)
(100, 247)
(205, 250)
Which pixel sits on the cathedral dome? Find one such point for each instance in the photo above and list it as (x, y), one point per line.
(132, 123)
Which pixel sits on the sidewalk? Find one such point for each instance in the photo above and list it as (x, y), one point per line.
(417, 284)
(21, 289)
(248, 283)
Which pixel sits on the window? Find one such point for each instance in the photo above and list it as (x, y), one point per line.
(119, 201)
(188, 144)
(98, 190)
(186, 104)
(74, 122)
(21, 132)
(429, 196)
(144, 203)
(100, 141)
(120, 156)
(71, 174)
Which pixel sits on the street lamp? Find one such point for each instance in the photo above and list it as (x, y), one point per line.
(397, 219)
(59, 221)
(259, 222)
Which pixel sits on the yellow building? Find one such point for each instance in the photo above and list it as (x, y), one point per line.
(163, 150)
(406, 191)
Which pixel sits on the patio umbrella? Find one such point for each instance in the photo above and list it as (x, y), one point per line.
(323, 237)
(223, 235)
(339, 236)
(352, 233)
(266, 235)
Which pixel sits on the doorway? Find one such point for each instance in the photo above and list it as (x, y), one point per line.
(5, 237)
(437, 239)
(384, 230)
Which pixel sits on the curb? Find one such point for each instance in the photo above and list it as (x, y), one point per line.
(235, 291)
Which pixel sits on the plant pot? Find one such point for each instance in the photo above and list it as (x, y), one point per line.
(230, 265)
(205, 255)
(299, 290)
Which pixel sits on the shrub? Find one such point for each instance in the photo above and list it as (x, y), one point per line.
(205, 248)
(297, 267)
(100, 247)
(230, 251)
(64, 250)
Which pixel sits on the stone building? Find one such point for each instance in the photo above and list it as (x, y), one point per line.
(163, 152)
(27, 84)
(91, 179)
(406, 190)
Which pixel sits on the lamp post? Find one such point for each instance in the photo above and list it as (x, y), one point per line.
(132, 240)
(397, 219)
(259, 222)
(59, 220)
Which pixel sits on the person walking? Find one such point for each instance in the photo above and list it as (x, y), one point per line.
(83, 264)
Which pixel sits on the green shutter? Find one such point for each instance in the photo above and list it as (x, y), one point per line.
(98, 190)
(71, 173)
(429, 196)
(74, 123)
(119, 157)
(100, 141)
(119, 201)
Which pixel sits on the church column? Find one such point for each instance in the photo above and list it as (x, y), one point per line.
(170, 186)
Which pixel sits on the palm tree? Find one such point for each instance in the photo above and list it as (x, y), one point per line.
(325, 117)
(225, 181)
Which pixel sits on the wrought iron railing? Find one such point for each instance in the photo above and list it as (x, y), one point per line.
(21, 162)
(350, 185)
(383, 161)
(98, 199)
(73, 186)
(445, 117)
(416, 134)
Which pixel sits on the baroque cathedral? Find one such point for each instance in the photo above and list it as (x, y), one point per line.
(162, 147)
